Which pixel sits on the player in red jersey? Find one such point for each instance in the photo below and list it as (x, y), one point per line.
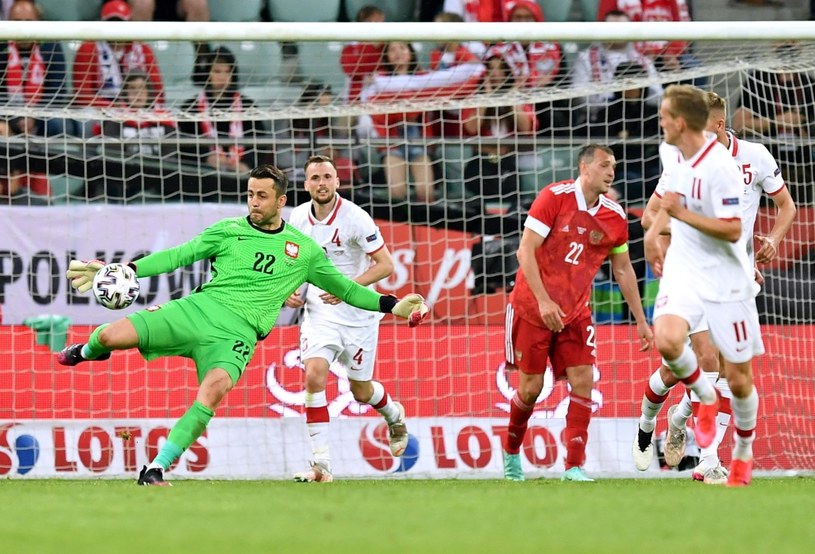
(570, 230)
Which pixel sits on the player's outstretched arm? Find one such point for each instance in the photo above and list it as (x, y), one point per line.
(627, 279)
(81, 273)
(324, 274)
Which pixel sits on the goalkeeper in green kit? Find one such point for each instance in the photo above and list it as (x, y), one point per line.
(257, 263)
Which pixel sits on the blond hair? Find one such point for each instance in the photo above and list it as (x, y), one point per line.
(689, 103)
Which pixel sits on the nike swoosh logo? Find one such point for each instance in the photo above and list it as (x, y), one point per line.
(242, 238)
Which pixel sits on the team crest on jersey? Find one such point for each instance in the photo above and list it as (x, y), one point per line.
(292, 249)
(596, 237)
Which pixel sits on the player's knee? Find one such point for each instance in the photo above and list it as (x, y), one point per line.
(669, 348)
(108, 337)
(529, 392)
(741, 383)
(362, 390)
(214, 387)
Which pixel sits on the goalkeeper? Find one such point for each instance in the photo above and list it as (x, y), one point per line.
(257, 263)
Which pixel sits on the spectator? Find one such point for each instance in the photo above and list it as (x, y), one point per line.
(445, 56)
(313, 129)
(226, 141)
(781, 105)
(598, 63)
(99, 66)
(668, 56)
(492, 176)
(360, 60)
(177, 10)
(402, 79)
(472, 11)
(32, 74)
(19, 184)
(629, 120)
(452, 53)
(538, 61)
(404, 158)
(170, 10)
(135, 120)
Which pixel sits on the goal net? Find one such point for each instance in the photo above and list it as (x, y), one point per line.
(445, 143)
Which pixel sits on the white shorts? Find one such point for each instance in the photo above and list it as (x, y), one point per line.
(353, 347)
(734, 327)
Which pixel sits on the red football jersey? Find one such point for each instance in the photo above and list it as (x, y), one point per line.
(577, 240)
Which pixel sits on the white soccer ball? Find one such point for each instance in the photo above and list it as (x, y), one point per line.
(115, 286)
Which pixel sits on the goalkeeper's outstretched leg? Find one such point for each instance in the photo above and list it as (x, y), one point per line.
(120, 335)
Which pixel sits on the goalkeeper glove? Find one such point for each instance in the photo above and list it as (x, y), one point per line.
(412, 308)
(82, 273)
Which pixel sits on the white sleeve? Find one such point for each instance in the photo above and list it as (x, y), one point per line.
(368, 235)
(768, 173)
(669, 158)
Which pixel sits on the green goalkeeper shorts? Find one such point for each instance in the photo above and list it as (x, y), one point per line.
(198, 328)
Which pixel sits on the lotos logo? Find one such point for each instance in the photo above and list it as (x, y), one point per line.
(26, 450)
(374, 446)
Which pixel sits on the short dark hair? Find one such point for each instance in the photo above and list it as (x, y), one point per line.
(616, 13)
(586, 154)
(366, 12)
(267, 171)
(318, 159)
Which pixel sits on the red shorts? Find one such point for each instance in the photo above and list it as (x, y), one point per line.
(528, 347)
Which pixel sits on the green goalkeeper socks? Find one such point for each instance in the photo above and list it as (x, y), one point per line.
(93, 349)
(184, 433)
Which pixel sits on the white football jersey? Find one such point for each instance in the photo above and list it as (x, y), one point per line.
(759, 170)
(760, 173)
(715, 269)
(349, 236)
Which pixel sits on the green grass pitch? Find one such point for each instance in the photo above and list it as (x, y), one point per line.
(394, 516)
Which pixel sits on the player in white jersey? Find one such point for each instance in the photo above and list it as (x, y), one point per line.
(706, 273)
(335, 332)
(760, 174)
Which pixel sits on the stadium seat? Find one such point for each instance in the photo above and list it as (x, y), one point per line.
(65, 188)
(304, 10)
(395, 10)
(560, 161)
(556, 10)
(231, 10)
(258, 62)
(70, 10)
(320, 61)
(175, 60)
(275, 94)
(588, 8)
(455, 157)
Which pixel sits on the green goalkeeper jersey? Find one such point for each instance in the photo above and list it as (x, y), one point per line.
(255, 271)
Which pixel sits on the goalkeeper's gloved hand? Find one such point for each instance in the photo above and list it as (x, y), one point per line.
(412, 308)
(82, 273)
